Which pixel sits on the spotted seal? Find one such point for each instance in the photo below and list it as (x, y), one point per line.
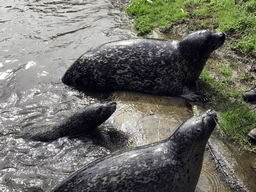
(146, 65)
(84, 121)
(171, 165)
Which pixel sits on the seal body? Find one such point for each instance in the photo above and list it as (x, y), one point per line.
(171, 165)
(84, 121)
(146, 65)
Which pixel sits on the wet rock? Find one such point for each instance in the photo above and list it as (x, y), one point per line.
(252, 134)
(249, 95)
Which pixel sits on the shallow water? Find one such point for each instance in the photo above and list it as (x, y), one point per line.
(150, 118)
(39, 40)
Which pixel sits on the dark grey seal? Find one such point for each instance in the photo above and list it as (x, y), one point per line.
(146, 65)
(84, 121)
(171, 165)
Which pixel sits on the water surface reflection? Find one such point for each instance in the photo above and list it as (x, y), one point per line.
(39, 41)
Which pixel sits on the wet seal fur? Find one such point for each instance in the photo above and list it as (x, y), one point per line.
(84, 121)
(146, 65)
(171, 165)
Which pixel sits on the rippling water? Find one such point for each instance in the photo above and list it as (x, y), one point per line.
(39, 40)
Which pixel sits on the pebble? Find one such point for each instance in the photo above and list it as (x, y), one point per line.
(249, 95)
(252, 134)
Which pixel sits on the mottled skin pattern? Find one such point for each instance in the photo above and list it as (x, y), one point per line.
(84, 121)
(146, 65)
(172, 165)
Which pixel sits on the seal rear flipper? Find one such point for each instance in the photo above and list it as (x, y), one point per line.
(193, 96)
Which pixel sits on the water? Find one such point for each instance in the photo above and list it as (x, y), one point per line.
(39, 40)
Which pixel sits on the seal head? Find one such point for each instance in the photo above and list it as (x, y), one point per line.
(197, 48)
(82, 122)
(171, 165)
(146, 65)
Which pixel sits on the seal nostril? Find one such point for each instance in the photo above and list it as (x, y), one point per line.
(113, 103)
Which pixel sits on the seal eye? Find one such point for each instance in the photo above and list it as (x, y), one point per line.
(98, 111)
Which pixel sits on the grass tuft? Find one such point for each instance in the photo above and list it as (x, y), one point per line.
(234, 19)
(155, 13)
(235, 118)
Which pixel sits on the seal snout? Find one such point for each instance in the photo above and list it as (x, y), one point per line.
(221, 34)
(222, 38)
(113, 106)
(112, 103)
(212, 113)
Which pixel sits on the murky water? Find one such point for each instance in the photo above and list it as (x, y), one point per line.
(39, 40)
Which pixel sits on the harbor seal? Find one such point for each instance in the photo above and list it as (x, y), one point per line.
(170, 165)
(84, 121)
(146, 65)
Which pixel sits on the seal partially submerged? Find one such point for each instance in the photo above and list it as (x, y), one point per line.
(146, 65)
(84, 121)
(171, 165)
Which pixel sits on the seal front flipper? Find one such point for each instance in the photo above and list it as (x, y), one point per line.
(193, 96)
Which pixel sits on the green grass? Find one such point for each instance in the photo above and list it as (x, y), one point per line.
(234, 117)
(239, 22)
(227, 72)
(247, 77)
(155, 13)
(236, 20)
